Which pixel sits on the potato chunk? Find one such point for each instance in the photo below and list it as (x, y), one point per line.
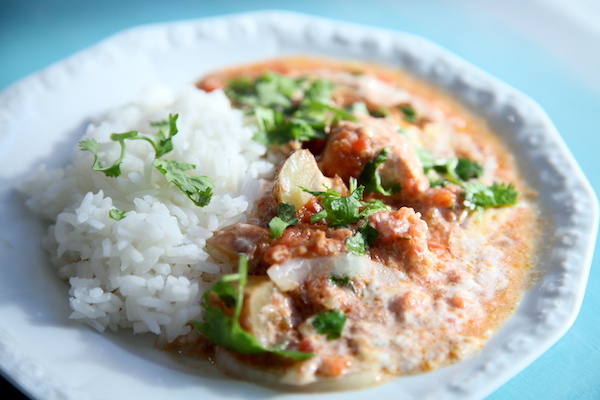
(299, 171)
(266, 312)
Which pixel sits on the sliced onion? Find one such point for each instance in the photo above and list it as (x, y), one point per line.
(289, 275)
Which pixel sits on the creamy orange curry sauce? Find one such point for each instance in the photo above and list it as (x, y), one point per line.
(432, 258)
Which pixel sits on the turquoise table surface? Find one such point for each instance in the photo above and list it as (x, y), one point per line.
(549, 50)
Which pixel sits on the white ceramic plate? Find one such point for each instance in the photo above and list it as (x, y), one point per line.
(42, 116)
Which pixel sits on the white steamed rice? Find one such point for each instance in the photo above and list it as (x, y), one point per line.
(149, 270)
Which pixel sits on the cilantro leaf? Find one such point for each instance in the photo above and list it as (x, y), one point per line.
(286, 109)
(410, 115)
(275, 90)
(439, 171)
(319, 91)
(299, 129)
(269, 90)
(162, 143)
(93, 146)
(370, 207)
(306, 124)
(197, 188)
(478, 194)
(241, 90)
(318, 216)
(330, 323)
(357, 244)
(285, 217)
(369, 176)
(277, 226)
(274, 128)
(444, 171)
(224, 330)
(369, 233)
(116, 214)
(461, 171)
(343, 211)
(381, 112)
(358, 107)
(425, 158)
(360, 242)
(322, 108)
(339, 280)
(467, 169)
(286, 212)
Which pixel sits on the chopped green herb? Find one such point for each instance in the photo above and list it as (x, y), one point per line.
(395, 188)
(330, 323)
(425, 158)
(242, 86)
(369, 233)
(287, 109)
(410, 115)
(466, 169)
(381, 112)
(116, 214)
(371, 178)
(225, 330)
(162, 142)
(461, 171)
(269, 90)
(339, 280)
(285, 217)
(343, 211)
(478, 194)
(360, 242)
(93, 146)
(318, 216)
(357, 244)
(274, 128)
(277, 226)
(339, 211)
(322, 110)
(371, 207)
(319, 91)
(359, 108)
(197, 188)
(444, 171)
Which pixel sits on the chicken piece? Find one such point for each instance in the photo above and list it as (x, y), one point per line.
(306, 240)
(238, 238)
(352, 145)
(402, 240)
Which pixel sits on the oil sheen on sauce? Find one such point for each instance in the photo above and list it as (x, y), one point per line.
(442, 273)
